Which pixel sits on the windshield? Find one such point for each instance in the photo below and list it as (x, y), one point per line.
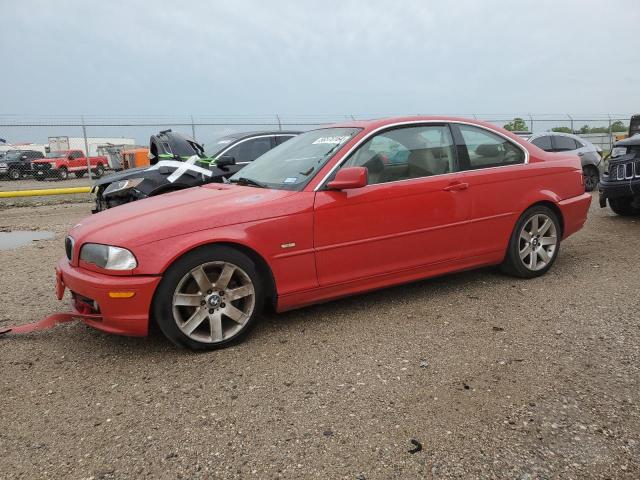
(56, 154)
(11, 154)
(218, 144)
(291, 165)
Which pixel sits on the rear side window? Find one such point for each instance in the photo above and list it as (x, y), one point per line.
(249, 150)
(280, 139)
(564, 144)
(543, 142)
(487, 149)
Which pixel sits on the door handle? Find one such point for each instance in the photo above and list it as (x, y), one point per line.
(454, 187)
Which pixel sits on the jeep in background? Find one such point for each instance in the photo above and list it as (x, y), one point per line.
(16, 164)
(620, 183)
(61, 163)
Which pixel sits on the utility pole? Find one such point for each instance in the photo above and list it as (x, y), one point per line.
(86, 147)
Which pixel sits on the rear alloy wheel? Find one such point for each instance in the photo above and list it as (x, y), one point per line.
(534, 243)
(591, 178)
(209, 298)
(14, 174)
(63, 174)
(99, 171)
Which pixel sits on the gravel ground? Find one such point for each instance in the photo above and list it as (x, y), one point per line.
(495, 377)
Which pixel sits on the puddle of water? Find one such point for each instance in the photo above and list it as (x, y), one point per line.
(18, 238)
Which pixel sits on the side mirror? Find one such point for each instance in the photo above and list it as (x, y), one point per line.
(225, 161)
(350, 177)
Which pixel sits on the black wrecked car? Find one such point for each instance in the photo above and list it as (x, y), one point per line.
(16, 164)
(620, 183)
(178, 162)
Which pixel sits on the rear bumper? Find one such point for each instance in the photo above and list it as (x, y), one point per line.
(574, 213)
(121, 316)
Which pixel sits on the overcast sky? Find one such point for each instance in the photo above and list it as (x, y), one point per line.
(245, 57)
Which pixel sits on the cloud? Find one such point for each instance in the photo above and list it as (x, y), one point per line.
(330, 57)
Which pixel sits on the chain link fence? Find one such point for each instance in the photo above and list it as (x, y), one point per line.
(96, 133)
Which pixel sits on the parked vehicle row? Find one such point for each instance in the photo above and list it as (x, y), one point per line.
(565, 142)
(178, 162)
(17, 164)
(331, 212)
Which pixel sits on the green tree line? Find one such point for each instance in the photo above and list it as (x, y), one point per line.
(519, 125)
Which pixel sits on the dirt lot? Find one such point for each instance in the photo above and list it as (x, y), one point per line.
(495, 377)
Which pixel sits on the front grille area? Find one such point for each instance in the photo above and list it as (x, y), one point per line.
(41, 166)
(625, 170)
(68, 247)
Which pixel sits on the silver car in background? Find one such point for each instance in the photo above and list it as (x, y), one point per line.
(566, 142)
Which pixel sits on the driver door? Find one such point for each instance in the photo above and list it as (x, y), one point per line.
(410, 215)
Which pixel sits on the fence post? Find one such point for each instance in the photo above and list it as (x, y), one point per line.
(610, 133)
(279, 123)
(86, 148)
(571, 120)
(530, 123)
(193, 129)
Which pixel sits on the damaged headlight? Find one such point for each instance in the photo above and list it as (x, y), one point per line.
(108, 257)
(618, 152)
(122, 185)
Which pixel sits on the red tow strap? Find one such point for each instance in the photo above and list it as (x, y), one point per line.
(47, 322)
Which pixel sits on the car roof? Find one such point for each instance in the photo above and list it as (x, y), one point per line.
(239, 135)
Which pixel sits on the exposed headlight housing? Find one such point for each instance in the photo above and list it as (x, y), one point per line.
(108, 257)
(122, 185)
(618, 152)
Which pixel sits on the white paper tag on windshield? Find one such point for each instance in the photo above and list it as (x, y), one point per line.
(290, 180)
(332, 140)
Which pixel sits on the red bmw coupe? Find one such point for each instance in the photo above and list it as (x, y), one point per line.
(335, 211)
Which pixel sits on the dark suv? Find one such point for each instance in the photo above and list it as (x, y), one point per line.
(620, 184)
(16, 164)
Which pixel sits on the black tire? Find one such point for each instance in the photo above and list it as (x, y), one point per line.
(14, 174)
(623, 206)
(512, 264)
(99, 171)
(79, 174)
(162, 306)
(63, 174)
(591, 178)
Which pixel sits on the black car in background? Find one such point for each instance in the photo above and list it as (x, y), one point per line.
(178, 162)
(16, 164)
(620, 184)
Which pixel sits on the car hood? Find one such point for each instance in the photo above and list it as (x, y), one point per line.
(179, 213)
(124, 175)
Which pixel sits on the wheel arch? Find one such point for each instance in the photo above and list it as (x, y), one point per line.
(262, 265)
(551, 206)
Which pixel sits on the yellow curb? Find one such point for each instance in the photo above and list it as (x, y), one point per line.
(45, 191)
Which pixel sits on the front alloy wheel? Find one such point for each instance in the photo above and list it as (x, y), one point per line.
(209, 298)
(213, 302)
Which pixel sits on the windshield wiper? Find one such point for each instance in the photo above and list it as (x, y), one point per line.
(248, 181)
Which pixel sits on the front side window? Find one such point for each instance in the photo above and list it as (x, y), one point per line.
(249, 150)
(543, 142)
(487, 149)
(406, 153)
(564, 144)
(293, 164)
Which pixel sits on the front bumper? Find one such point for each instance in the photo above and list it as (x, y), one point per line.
(121, 316)
(618, 189)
